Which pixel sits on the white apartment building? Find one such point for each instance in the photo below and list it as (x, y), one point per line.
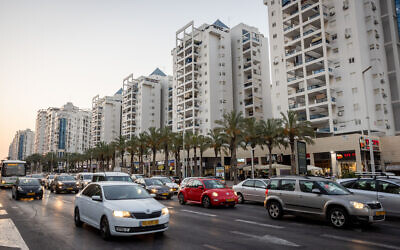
(202, 70)
(67, 129)
(142, 102)
(22, 145)
(106, 118)
(250, 72)
(321, 53)
(40, 131)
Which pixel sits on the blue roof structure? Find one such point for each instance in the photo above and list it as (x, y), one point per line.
(119, 92)
(158, 72)
(220, 24)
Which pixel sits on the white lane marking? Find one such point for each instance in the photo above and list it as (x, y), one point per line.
(10, 236)
(66, 201)
(170, 207)
(3, 212)
(194, 212)
(362, 242)
(15, 207)
(259, 224)
(212, 247)
(268, 239)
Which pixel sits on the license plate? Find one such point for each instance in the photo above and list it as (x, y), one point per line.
(380, 213)
(31, 193)
(230, 199)
(165, 194)
(149, 223)
(69, 188)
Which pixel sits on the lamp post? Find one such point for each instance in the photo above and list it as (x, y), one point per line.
(371, 150)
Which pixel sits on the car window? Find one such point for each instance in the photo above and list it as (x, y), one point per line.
(288, 185)
(387, 187)
(249, 183)
(125, 192)
(188, 183)
(196, 183)
(365, 184)
(89, 190)
(97, 190)
(259, 184)
(307, 186)
(348, 184)
(213, 184)
(333, 188)
(273, 185)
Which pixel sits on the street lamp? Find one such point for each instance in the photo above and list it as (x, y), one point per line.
(371, 150)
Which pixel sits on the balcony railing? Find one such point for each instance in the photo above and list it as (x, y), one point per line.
(317, 116)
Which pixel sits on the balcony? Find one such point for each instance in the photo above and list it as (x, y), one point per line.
(249, 84)
(318, 116)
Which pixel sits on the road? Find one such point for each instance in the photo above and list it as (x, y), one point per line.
(48, 224)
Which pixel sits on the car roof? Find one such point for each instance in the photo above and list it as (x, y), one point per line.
(115, 183)
(111, 174)
(298, 177)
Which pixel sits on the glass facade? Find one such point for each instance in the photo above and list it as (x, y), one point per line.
(62, 133)
(397, 2)
(21, 147)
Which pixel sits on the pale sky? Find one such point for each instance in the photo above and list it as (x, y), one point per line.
(54, 51)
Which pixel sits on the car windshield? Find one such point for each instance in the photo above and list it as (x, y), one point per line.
(125, 192)
(333, 188)
(87, 177)
(213, 184)
(165, 180)
(51, 176)
(119, 178)
(37, 176)
(153, 182)
(66, 178)
(29, 182)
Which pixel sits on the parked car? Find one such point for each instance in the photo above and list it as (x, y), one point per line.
(155, 186)
(111, 176)
(64, 183)
(40, 177)
(385, 189)
(84, 179)
(169, 183)
(49, 179)
(208, 192)
(176, 179)
(120, 209)
(321, 197)
(27, 188)
(134, 177)
(251, 190)
(220, 178)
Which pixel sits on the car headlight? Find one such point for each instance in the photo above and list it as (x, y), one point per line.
(171, 190)
(357, 205)
(40, 188)
(121, 214)
(164, 211)
(235, 193)
(20, 189)
(215, 194)
(3, 181)
(154, 190)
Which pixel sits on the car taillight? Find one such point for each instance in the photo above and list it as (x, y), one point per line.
(266, 192)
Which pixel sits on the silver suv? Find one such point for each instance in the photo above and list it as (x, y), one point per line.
(319, 196)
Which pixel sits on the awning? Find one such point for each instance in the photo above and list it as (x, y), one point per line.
(393, 168)
(311, 167)
(264, 167)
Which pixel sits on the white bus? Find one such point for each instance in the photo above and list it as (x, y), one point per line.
(10, 170)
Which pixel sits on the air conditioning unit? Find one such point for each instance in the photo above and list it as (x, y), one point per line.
(376, 22)
(345, 5)
(377, 36)
(373, 6)
(382, 81)
(331, 11)
(335, 121)
(340, 113)
(387, 126)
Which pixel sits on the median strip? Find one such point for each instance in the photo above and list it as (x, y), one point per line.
(200, 213)
(259, 224)
(362, 242)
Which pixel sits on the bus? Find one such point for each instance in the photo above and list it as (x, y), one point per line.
(10, 170)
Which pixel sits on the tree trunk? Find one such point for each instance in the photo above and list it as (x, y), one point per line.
(252, 163)
(188, 166)
(166, 160)
(215, 161)
(113, 161)
(196, 168)
(154, 162)
(178, 166)
(234, 164)
(292, 158)
(132, 163)
(122, 158)
(201, 164)
(270, 161)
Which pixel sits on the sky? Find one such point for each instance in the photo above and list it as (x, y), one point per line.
(58, 51)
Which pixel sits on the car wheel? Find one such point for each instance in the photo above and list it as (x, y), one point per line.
(105, 229)
(40, 197)
(338, 217)
(77, 218)
(275, 210)
(169, 196)
(232, 205)
(16, 196)
(240, 198)
(159, 234)
(181, 199)
(206, 202)
(56, 191)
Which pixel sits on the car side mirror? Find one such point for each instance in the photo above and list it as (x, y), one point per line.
(153, 195)
(316, 191)
(200, 187)
(97, 198)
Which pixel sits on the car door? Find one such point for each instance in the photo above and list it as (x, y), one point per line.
(83, 204)
(287, 189)
(197, 190)
(389, 196)
(308, 201)
(259, 190)
(247, 190)
(365, 187)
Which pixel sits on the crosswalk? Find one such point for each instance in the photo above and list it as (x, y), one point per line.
(9, 234)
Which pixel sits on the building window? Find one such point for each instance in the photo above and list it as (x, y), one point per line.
(272, 13)
(278, 107)
(273, 24)
(274, 36)
(351, 60)
(354, 90)
(356, 106)
(334, 37)
(339, 93)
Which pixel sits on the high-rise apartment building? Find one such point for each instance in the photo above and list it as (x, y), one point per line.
(106, 118)
(250, 72)
(22, 145)
(142, 102)
(40, 131)
(67, 129)
(329, 64)
(202, 70)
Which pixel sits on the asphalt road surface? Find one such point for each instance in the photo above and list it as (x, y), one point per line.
(48, 224)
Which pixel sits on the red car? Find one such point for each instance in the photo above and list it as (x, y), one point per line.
(208, 192)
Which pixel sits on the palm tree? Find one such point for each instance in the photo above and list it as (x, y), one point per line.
(51, 159)
(166, 136)
(232, 124)
(216, 143)
(89, 156)
(294, 129)
(35, 159)
(251, 138)
(132, 148)
(101, 151)
(203, 144)
(188, 145)
(176, 147)
(120, 145)
(153, 141)
(195, 143)
(142, 148)
(271, 136)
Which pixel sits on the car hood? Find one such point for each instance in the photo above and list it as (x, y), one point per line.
(222, 191)
(67, 182)
(356, 197)
(30, 187)
(135, 205)
(171, 185)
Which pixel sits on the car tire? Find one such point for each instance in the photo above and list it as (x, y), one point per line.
(159, 234)
(206, 202)
(105, 229)
(40, 197)
(232, 205)
(16, 196)
(275, 210)
(240, 198)
(338, 217)
(181, 199)
(77, 218)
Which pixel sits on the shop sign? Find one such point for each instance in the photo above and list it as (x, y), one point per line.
(301, 157)
(364, 144)
(220, 171)
(345, 156)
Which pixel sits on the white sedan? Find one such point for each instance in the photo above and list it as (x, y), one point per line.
(120, 209)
